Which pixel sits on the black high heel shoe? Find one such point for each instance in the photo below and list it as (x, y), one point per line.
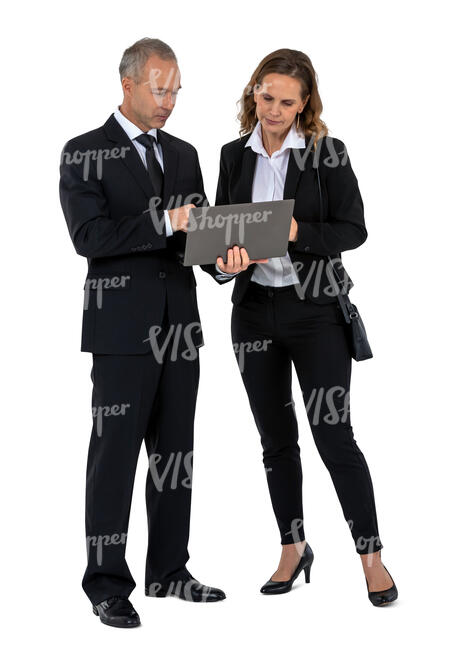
(281, 587)
(385, 596)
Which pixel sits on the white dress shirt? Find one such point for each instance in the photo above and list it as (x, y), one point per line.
(268, 185)
(133, 132)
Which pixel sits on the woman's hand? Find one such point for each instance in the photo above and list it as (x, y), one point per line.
(294, 230)
(237, 261)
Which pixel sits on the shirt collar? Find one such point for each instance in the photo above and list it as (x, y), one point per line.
(130, 128)
(292, 141)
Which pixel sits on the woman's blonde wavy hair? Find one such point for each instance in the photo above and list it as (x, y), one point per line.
(294, 64)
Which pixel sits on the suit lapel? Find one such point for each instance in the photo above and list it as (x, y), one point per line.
(296, 165)
(244, 182)
(134, 164)
(131, 159)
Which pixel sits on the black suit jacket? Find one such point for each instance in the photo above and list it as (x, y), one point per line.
(105, 192)
(343, 226)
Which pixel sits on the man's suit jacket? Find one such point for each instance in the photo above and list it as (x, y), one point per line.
(343, 225)
(105, 191)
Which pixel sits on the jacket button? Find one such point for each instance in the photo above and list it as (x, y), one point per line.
(307, 248)
(162, 274)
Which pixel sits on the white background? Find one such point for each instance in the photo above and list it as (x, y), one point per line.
(383, 79)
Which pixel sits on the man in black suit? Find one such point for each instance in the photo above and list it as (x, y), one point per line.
(126, 189)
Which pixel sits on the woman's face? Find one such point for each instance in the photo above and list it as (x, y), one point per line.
(278, 101)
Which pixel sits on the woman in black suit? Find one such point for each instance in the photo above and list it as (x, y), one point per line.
(286, 309)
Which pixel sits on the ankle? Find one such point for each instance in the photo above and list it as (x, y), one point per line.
(371, 558)
(293, 551)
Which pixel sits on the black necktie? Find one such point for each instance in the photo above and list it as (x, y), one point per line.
(153, 166)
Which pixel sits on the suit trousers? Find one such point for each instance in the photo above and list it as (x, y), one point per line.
(271, 329)
(140, 397)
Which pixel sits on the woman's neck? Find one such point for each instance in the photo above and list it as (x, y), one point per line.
(272, 142)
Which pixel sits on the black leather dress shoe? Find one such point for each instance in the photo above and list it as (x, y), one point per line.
(186, 588)
(385, 596)
(281, 587)
(117, 611)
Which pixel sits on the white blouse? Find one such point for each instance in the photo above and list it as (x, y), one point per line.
(268, 185)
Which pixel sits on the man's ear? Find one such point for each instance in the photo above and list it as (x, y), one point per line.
(127, 86)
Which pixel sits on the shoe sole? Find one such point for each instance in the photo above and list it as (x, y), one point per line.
(387, 602)
(122, 627)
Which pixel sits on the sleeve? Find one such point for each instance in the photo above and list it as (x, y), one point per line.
(92, 230)
(222, 197)
(344, 228)
(212, 269)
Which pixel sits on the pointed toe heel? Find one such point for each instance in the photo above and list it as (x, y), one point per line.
(282, 587)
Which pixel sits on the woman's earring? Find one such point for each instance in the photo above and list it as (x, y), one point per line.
(298, 121)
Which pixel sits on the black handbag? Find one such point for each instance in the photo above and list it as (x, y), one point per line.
(356, 332)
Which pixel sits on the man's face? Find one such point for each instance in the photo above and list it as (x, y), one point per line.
(149, 101)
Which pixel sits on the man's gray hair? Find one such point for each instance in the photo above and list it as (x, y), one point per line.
(135, 57)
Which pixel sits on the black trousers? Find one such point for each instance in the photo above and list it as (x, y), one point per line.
(272, 328)
(135, 398)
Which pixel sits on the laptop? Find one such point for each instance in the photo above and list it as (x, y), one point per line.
(262, 228)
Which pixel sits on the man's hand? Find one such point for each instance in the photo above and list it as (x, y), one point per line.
(179, 217)
(294, 230)
(237, 261)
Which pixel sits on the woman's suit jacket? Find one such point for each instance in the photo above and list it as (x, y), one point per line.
(343, 226)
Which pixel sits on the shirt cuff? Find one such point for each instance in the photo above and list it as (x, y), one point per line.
(169, 230)
(222, 275)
